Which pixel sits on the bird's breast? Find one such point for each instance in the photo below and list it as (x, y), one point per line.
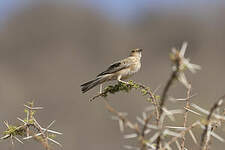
(126, 73)
(135, 68)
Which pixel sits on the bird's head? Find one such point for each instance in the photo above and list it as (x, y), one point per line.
(136, 52)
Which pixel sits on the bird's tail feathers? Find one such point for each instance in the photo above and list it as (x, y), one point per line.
(89, 85)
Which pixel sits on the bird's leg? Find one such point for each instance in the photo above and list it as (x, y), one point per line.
(100, 90)
(119, 79)
(123, 81)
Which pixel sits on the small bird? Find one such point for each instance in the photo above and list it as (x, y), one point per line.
(119, 71)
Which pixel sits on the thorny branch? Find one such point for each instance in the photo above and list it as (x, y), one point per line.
(31, 129)
(162, 102)
(140, 132)
(208, 125)
(186, 115)
(127, 87)
(179, 65)
(174, 139)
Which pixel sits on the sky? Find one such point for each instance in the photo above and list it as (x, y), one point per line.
(114, 8)
(9, 6)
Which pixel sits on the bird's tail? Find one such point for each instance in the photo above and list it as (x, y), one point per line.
(89, 85)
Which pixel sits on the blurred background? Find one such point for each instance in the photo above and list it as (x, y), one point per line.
(48, 48)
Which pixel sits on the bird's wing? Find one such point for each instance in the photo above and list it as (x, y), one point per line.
(117, 66)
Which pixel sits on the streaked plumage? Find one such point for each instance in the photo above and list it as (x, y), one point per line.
(119, 70)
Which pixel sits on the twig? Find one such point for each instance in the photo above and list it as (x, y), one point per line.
(153, 97)
(204, 144)
(98, 95)
(174, 139)
(140, 132)
(132, 84)
(186, 115)
(162, 102)
(143, 147)
(30, 129)
(121, 117)
(124, 87)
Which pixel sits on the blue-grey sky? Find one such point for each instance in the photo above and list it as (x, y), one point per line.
(9, 6)
(114, 8)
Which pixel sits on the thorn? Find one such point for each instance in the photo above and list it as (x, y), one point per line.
(33, 108)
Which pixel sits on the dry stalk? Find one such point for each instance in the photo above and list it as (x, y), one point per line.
(162, 102)
(174, 139)
(186, 115)
(129, 124)
(140, 86)
(208, 128)
(30, 129)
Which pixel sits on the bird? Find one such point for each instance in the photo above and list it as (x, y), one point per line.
(120, 71)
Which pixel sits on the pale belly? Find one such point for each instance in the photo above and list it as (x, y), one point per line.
(126, 73)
